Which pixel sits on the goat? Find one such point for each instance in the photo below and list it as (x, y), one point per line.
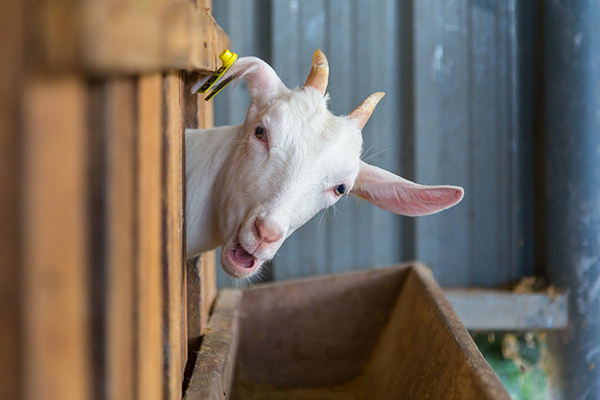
(250, 186)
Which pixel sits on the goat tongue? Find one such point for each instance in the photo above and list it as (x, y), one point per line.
(242, 257)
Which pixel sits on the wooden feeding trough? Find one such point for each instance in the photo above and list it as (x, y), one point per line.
(378, 334)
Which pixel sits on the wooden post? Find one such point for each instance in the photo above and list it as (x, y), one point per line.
(119, 114)
(56, 311)
(93, 286)
(11, 74)
(201, 273)
(208, 259)
(173, 232)
(149, 267)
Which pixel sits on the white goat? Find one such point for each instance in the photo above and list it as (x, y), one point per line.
(250, 186)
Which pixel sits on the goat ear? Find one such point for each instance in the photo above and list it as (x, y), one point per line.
(261, 80)
(401, 196)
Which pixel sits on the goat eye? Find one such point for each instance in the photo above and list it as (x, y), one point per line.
(259, 132)
(340, 190)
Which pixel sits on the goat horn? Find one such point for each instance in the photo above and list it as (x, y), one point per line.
(319, 72)
(362, 113)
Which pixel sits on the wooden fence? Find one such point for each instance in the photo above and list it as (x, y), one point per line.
(96, 301)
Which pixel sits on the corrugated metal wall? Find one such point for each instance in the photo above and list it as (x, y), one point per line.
(453, 114)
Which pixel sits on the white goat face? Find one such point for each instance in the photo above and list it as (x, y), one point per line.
(294, 158)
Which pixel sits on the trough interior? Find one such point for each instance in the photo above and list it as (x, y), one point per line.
(385, 333)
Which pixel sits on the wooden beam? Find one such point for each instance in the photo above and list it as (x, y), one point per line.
(208, 260)
(498, 310)
(105, 37)
(119, 117)
(213, 372)
(426, 352)
(11, 267)
(56, 308)
(173, 232)
(201, 273)
(195, 296)
(149, 266)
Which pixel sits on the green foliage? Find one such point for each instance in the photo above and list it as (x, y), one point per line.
(518, 360)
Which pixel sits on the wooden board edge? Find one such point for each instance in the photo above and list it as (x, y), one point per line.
(95, 38)
(214, 368)
(487, 381)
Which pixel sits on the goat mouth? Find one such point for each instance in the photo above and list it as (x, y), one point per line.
(241, 263)
(241, 257)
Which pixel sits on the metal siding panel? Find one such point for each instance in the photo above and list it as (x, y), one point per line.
(524, 79)
(285, 43)
(442, 142)
(485, 192)
(384, 127)
(340, 50)
(406, 115)
(236, 17)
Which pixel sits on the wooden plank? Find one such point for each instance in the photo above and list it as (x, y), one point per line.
(201, 272)
(181, 202)
(52, 33)
(172, 233)
(192, 293)
(195, 296)
(184, 102)
(191, 100)
(436, 358)
(120, 239)
(208, 278)
(501, 310)
(149, 362)
(11, 267)
(102, 37)
(57, 344)
(184, 310)
(213, 372)
(206, 113)
(209, 285)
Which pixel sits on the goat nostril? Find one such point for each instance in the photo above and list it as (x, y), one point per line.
(266, 233)
(257, 224)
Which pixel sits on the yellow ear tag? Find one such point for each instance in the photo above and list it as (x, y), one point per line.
(228, 58)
